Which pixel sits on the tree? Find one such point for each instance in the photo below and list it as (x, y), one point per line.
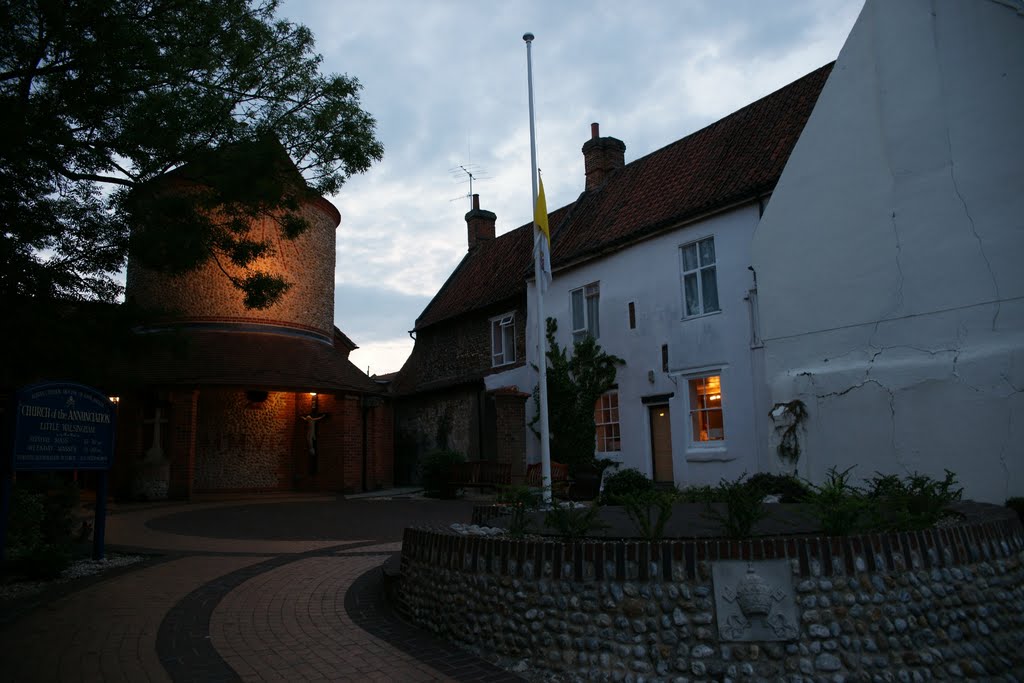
(575, 382)
(102, 101)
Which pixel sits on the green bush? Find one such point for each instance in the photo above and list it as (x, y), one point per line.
(45, 561)
(912, 503)
(789, 488)
(1017, 505)
(650, 511)
(521, 501)
(628, 482)
(697, 494)
(42, 512)
(41, 520)
(25, 530)
(743, 508)
(574, 522)
(838, 506)
(435, 472)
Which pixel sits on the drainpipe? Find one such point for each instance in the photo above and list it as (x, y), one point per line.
(366, 411)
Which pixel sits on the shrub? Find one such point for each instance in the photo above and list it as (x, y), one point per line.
(913, 503)
(789, 488)
(697, 494)
(521, 501)
(743, 508)
(42, 518)
(650, 511)
(624, 483)
(573, 522)
(25, 531)
(435, 472)
(42, 512)
(1017, 505)
(45, 561)
(838, 506)
(576, 378)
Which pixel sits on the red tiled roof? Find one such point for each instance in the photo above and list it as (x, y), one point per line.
(250, 359)
(494, 270)
(734, 159)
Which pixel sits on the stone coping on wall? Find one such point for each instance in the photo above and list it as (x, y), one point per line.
(998, 535)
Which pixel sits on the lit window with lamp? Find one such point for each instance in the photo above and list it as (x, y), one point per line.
(503, 340)
(584, 311)
(606, 421)
(706, 409)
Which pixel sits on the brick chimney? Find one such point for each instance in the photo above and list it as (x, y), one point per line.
(479, 224)
(601, 156)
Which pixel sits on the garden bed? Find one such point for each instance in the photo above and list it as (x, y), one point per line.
(701, 520)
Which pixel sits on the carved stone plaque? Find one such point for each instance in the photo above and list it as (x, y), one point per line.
(754, 600)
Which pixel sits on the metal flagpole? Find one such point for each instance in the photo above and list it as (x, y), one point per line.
(542, 342)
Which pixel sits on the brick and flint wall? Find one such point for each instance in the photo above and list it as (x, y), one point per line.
(445, 385)
(911, 606)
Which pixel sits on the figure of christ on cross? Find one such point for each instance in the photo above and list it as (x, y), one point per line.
(312, 419)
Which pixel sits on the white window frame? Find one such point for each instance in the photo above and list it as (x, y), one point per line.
(608, 416)
(698, 277)
(591, 323)
(503, 331)
(691, 409)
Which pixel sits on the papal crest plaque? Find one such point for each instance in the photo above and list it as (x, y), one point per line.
(755, 600)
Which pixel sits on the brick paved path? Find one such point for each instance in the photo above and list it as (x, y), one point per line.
(229, 609)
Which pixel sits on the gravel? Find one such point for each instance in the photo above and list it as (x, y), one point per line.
(77, 570)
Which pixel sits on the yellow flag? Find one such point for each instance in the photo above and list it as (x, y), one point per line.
(542, 239)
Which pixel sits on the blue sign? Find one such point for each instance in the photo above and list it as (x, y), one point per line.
(62, 426)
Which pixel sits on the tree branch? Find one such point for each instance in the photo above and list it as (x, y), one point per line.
(71, 175)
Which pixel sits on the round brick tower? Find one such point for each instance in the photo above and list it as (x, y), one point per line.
(205, 297)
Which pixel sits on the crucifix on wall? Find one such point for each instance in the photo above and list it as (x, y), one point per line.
(312, 420)
(155, 453)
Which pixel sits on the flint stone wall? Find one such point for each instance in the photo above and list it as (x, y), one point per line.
(207, 295)
(241, 445)
(939, 604)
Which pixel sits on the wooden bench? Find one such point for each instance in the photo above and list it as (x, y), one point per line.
(559, 476)
(480, 474)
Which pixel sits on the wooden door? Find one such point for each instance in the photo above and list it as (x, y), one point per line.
(661, 442)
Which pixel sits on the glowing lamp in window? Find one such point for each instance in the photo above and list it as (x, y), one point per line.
(706, 408)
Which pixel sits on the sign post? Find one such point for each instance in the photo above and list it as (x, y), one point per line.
(64, 426)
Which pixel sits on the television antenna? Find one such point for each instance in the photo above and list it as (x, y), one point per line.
(468, 173)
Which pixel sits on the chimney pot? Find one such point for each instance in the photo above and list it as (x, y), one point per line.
(479, 224)
(601, 157)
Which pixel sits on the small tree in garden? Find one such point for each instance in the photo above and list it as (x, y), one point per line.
(575, 382)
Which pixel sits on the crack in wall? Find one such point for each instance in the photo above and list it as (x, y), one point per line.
(1009, 382)
(974, 231)
(952, 177)
(892, 408)
(899, 269)
(1002, 451)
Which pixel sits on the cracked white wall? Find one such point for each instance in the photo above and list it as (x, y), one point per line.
(889, 260)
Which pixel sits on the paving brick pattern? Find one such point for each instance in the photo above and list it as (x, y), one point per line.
(108, 631)
(220, 609)
(290, 623)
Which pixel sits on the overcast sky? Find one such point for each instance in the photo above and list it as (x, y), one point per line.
(446, 81)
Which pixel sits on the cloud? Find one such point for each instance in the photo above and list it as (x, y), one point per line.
(382, 357)
(446, 82)
(372, 314)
